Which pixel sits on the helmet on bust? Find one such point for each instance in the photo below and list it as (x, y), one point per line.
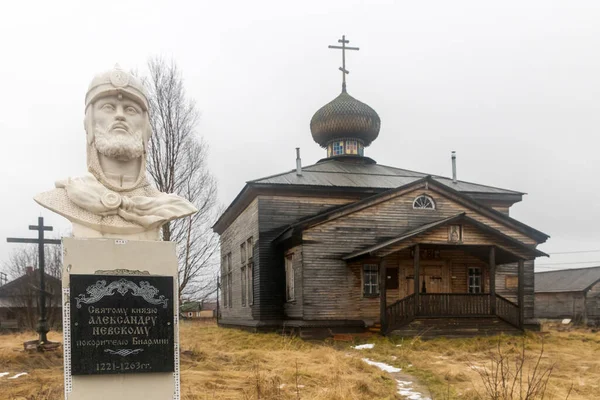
(116, 81)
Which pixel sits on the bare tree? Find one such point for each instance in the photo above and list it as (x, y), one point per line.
(27, 256)
(177, 164)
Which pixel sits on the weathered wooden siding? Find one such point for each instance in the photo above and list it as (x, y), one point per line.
(575, 305)
(593, 303)
(244, 226)
(330, 286)
(397, 212)
(559, 305)
(274, 214)
(471, 236)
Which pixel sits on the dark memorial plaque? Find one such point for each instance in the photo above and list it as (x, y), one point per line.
(121, 324)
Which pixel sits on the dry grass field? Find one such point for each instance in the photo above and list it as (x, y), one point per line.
(229, 364)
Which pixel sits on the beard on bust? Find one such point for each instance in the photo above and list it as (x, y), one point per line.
(120, 146)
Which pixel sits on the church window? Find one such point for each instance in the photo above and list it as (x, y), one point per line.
(244, 287)
(424, 202)
(338, 148)
(250, 272)
(351, 147)
(289, 277)
(370, 280)
(229, 281)
(361, 149)
(474, 280)
(329, 150)
(224, 281)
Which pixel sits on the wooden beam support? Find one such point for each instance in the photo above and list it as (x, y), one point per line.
(492, 265)
(521, 293)
(382, 296)
(417, 262)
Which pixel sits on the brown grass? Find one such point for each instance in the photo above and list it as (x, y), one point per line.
(230, 364)
(449, 367)
(219, 363)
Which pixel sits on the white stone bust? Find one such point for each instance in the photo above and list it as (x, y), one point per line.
(115, 199)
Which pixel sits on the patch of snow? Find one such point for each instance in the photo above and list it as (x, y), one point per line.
(18, 375)
(284, 385)
(394, 358)
(398, 345)
(477, 367)
(409, 365)
(566, 321)
(383, 366)
(364, 346)
(405, 389)
(2, 374)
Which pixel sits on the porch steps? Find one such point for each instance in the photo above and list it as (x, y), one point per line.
(431, 327)
(376, 328)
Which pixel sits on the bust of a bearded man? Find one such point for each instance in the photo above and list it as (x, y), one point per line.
(115, 199)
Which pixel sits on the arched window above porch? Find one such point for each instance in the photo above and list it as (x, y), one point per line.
(424, 202)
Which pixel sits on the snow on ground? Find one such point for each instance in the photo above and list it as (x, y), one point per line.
(18, 375)
(405, 389)
(3, 374)
(383, 366)
(364, 346)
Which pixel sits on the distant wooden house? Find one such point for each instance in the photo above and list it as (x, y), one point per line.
(19, 301)
(568, 293)
(197, 309)
(347, 244)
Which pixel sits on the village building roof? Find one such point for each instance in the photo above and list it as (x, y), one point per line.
(567, 280)
(333, 174)
(31, 280)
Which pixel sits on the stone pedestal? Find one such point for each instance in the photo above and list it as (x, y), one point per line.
(131, 259)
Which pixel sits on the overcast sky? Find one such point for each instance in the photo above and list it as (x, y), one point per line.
(513, 87)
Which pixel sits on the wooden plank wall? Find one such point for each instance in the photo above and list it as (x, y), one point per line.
(559, 305)
(593, 303)
(399, 207)
(331, 292)
(244, 226)
(275, 213)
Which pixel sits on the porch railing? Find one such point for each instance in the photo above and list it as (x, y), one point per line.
(454, 304)
(400, 313)
(448, 305)
(507, 310)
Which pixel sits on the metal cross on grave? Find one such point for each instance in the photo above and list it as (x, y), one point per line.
(42, 327)
(343, 47)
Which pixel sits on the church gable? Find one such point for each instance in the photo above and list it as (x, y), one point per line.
(393, 213)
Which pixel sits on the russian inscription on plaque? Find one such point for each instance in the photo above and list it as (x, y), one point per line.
(121, 324)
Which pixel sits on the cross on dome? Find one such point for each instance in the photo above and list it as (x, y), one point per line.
(343, 47)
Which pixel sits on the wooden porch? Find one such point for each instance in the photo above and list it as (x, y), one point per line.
(420, 304)
(449, 305)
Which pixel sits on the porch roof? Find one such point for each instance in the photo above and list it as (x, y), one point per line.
(462, 217)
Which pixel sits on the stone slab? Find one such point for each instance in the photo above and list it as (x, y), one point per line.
(111, 260)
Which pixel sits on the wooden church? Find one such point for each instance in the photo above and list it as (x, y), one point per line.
(347, 244)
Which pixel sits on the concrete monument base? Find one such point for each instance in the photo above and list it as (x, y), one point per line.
(133, 260)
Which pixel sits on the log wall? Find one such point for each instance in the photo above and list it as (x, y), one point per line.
(333, 290)
(276, 213)
(244, 226)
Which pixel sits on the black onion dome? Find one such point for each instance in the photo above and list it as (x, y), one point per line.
(345, 117)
